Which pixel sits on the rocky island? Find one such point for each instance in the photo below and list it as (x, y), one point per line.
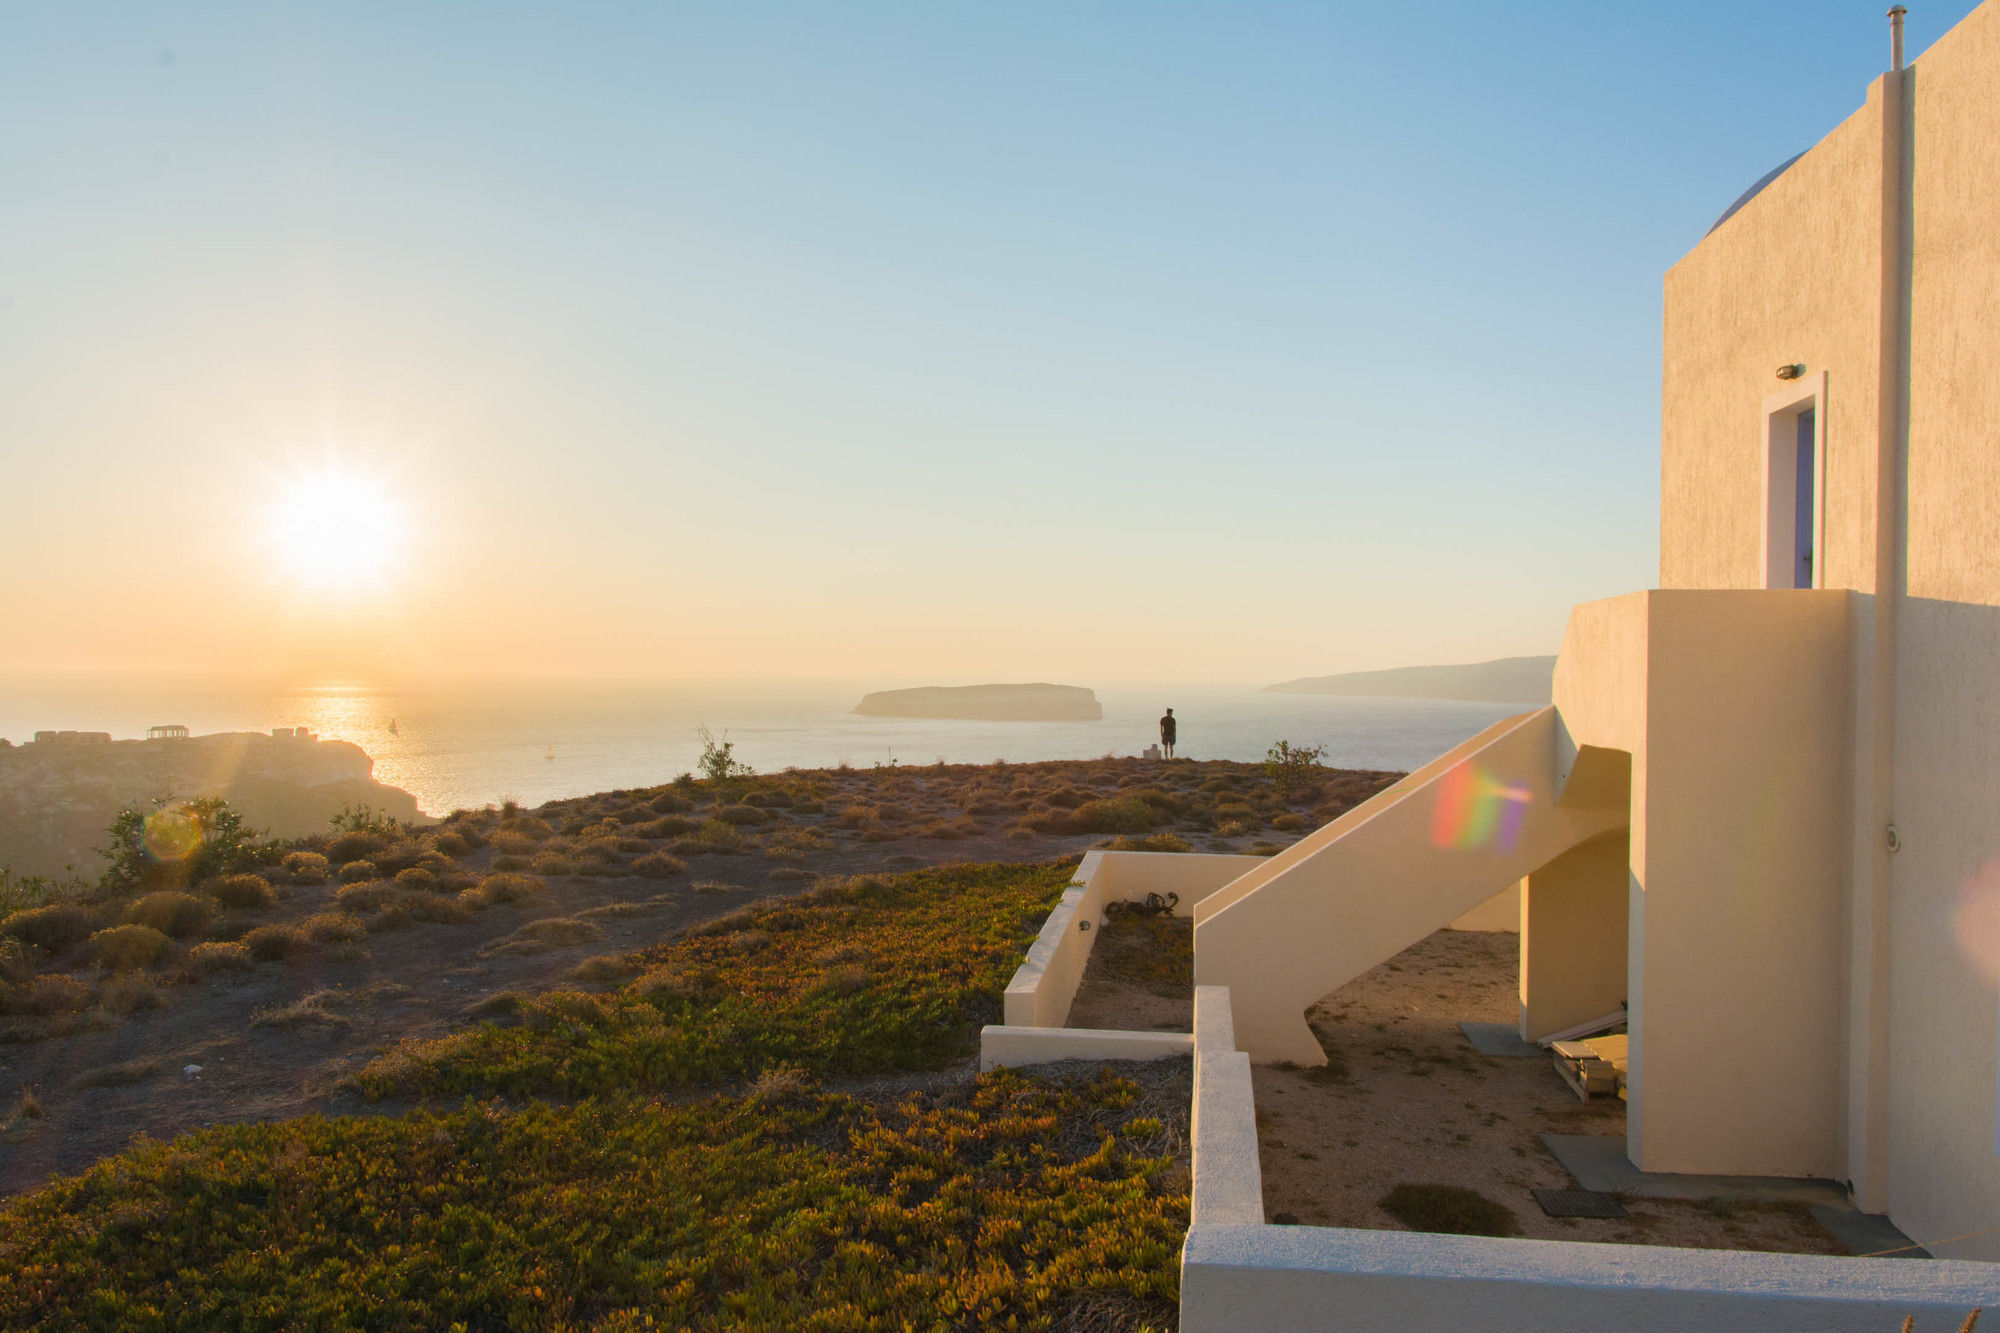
(1527, 680)
(59, 792)
(987, 703)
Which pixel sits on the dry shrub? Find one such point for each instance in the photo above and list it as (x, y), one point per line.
(56, 993)
(672, 982)
(451, 843)
(354, 872)
(404, 908)
(1233, 828)
(600, 854)
(604, 967)
(333, 927)
(128, 993)
(16, 968)
(789, 875)
(514, 844)
(881, 833)
(404, 855)
(458, 881)
(417, 879)
(1157, 842)
(672, 826)
(1116, 814)
(51, 929)
(1289, 823)
(530, 825)
(214, 956)
(770, 798)
(781, 1083)
(243, 892)
(553, 932)
(274, 944)
(354, 847)
(669, 803)
(123, 948)
(508, 861)
(505, 888)
(743, 815)
(500, 1004)
(555, 866)
(658, 865)
(169, 912)
(307, 868)
(1265, 849)
(366, 897)
(308, 1011)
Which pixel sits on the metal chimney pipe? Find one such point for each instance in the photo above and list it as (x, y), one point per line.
(1896, 36)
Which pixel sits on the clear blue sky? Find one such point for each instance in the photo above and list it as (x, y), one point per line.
(931, 341)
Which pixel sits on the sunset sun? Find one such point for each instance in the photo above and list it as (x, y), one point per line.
(336, 528)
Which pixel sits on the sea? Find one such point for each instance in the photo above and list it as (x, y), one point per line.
(466, 746)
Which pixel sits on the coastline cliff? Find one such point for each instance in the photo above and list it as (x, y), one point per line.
(57, 796)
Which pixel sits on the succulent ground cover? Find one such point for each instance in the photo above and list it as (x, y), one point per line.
(855, 976)
(592, 1197)
(1008, 1202)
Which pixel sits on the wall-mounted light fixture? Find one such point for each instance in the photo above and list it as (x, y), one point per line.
(1791, 372)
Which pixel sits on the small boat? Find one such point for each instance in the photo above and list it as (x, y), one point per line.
(392, 728)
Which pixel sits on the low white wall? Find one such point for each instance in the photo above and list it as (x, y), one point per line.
(1228, 1179)
(1284, 1278)
(1019, 1047)
(1238, 1273)
(1044, 985)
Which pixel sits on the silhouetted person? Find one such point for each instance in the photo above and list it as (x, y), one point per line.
(1168, 730)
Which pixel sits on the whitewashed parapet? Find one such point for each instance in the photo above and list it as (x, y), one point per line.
(1228, 1178)
(1281, 1279)
(1018, 1048)
(1046, 983)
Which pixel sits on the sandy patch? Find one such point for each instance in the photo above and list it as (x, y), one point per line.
(1405, 1100)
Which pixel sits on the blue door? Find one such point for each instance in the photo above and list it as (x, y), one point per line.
(1804, 503)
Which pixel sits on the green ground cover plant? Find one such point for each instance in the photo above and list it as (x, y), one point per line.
(932, 951)
(1012, 1202)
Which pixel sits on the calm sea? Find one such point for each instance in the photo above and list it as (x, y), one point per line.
(453, 747)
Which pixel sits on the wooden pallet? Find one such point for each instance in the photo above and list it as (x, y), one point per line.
(1595, 1067)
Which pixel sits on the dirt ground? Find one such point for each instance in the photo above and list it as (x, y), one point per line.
(1140, 976)
(205, 1059)
(1405, 1100)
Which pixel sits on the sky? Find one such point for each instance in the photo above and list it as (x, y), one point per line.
(920, 342)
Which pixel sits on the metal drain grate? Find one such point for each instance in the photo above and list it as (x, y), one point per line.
(1578, 1203)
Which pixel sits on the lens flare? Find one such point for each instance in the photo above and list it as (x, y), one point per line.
(1975, 921)
(1477, 812)
(173, 834)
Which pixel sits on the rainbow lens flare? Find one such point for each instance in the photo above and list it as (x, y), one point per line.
(173, 833)
(1475, 811)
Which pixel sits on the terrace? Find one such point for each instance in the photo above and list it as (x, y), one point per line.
(1308, 1181)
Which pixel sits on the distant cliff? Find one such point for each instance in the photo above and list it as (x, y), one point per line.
(1527, 680)
(56, 799)
(988, 703)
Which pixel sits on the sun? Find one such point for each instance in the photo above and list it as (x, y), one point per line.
(338, 529)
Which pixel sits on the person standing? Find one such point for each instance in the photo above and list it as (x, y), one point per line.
(1168, 730)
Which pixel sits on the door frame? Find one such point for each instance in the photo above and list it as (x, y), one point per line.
(1781, 481)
